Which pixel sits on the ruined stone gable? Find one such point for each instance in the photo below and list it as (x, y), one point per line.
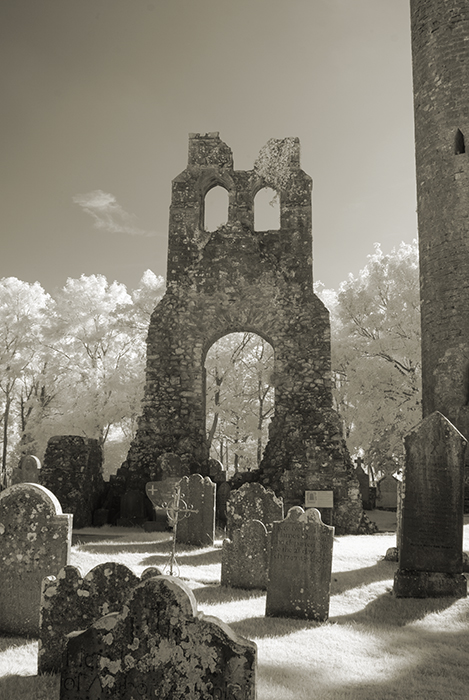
(236, 279)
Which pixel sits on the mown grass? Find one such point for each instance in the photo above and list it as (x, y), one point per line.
(373, 647)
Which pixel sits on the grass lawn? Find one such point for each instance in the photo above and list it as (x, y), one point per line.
(373, 647)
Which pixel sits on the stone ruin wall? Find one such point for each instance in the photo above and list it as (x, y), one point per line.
(236, 279)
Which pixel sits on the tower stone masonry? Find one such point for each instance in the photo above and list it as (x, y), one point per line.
(440, 57)
(237, 279)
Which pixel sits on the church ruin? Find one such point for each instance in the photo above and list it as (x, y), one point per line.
(237, 279)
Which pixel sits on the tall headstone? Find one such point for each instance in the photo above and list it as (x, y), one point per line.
(159, 647)
(198, 527)
(252, 502)
(73, 470)
(27, 471)
(431, 536)
(222, 497)
(35, 542)
(386, 498)
(245, 559)
(300, 566)
(72, 602)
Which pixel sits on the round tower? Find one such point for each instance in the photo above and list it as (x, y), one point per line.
(440, 57)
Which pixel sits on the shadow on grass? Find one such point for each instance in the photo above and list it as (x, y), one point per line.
(418, 668)
(345, 580)
(262, 627)
(224, 594)
(201, 557)
(388, 611)
(120, 546)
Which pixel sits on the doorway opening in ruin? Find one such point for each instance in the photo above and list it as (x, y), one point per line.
(266, 210)
(240, 399)
(215, 208)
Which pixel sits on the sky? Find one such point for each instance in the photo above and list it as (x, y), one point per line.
(98, 98)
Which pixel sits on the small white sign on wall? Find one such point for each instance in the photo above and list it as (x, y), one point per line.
(319, 499)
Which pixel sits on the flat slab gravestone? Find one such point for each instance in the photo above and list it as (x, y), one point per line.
(159, 646)
(252, 502)
(35, 542)
(72, 602)
(198, 527)
(300, 566)
(245, 559)
(431, 518)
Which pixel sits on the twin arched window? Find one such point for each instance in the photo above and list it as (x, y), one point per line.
(266, 209)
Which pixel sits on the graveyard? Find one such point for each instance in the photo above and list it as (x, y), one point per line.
(373, 645)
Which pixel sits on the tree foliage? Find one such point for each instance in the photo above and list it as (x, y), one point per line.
(375, 320)
(240, 399)
(74, 363)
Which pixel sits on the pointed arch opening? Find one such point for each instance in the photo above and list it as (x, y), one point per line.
(240, 399)
(266, 210)
(215, 208)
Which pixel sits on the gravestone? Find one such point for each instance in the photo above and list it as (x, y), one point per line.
(300, 566)
(27, 471)
(159, 647)
(197, 527)
(72, 602)
(252, 502)
(222, 496)
(245, 559)
(35, 541)
(132, 509)
(431, 536)
(387, 493)
(73, 471)
(364, 484)
(216, 471)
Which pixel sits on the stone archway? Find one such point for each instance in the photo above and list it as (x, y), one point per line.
(237, 279)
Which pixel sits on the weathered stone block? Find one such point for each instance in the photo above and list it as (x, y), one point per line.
(73, 470)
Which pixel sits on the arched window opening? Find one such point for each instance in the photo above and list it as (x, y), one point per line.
(240, 400)
(266, 210)
(459, 145)
(215, 208)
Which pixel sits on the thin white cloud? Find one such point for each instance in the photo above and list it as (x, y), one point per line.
(108, 215)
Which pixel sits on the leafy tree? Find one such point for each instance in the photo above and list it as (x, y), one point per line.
(92, 364)
(240, 398)
(22, 310)
(375, 320)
